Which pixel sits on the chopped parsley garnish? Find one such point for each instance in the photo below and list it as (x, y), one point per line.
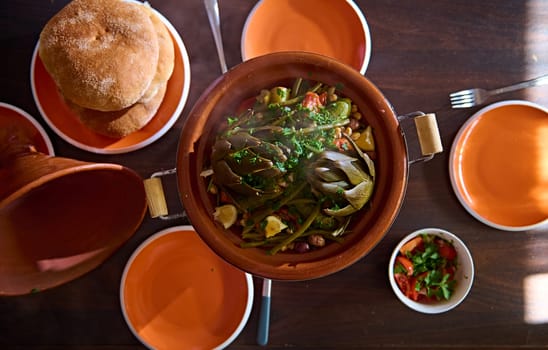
(231, 120)
(432, 271)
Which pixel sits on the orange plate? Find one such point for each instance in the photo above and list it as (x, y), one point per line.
(177, 294)
(21, 121)
(499, 165)
(334, 28)
(67, 125)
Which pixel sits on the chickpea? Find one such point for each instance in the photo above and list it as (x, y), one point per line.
(264, 97)
(355, 136)
(316, 240)
(290, 246)
(348, 131)
(338, 133)
(354, 108)
(354, 124)
(357, 115)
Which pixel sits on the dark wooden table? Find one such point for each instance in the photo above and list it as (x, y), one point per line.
(422, 50)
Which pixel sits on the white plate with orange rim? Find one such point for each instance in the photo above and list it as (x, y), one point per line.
(498, 165)
(66, 124)
(334, 28)
(19, 121)
(176, 293)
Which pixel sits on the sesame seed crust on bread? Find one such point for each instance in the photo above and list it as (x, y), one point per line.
(102, 54)
(166, 58)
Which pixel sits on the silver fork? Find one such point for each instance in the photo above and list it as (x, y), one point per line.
(473, 97)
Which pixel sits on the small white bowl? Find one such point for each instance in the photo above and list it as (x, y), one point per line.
(464, 274)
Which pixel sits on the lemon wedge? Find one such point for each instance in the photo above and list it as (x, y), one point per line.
(226, 215)
(366, 142)
(274, 225)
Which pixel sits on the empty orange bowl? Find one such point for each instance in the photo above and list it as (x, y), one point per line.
(334, 28)
(19, 121)
(177, 294)
(499, 165)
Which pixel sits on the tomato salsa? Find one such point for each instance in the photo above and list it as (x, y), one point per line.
(425, 268)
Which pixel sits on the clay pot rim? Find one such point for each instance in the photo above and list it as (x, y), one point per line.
(288, 266)
(27, 188)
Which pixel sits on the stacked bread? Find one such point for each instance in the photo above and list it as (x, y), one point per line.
(111, 61)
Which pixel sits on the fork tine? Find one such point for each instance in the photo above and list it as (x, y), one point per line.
(463, 105)
(460, 93)
(462, 97)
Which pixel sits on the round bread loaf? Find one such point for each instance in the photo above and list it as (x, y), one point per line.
(102, 54)
(117, 124)
(166, 58)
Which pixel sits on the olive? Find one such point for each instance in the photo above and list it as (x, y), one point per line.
(301, 247)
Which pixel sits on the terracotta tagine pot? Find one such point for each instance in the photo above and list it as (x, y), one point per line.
(60, 218)
(367, 227)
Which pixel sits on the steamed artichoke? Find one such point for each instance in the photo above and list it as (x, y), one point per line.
(347, 181)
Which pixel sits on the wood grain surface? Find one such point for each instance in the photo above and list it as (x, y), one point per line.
(421, 51)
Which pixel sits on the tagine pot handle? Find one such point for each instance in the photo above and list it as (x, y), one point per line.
(428, 134)
(156, 198)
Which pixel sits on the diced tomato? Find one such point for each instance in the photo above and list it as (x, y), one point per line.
(285, 215)
(343, 144)
(407, 286)
(224, 198)
(406, 263)
(413, 244)
(323, 98)
(446, 250)
(311, 101)
(413, 293)
(451, 271)
(403, 282)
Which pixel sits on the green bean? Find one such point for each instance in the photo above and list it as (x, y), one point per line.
(283, 188)
(292, 101)
(297, 233)
(296, 87)
(253, 235)
(258, 217)
(323, 127)
(316, 87)
(302, 201)
(261, 214)
(263, 242)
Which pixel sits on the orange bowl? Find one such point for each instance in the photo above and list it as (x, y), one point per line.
(498, 165)
(176, 293)
(334, 28)
(244, 81)
(14, 119)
